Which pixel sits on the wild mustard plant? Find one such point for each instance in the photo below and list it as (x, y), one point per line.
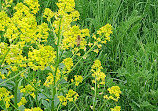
(99, 82)
(21, 32)
(5, 97)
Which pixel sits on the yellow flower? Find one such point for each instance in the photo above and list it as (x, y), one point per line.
(34, 109)
(116, 108)
(78, 79)
(104, 31)
(4, 20)
(33, 95)
(33, 5)
(63, 100)
(68, 64)
(72, 80)
(48, 14)
(22, 101)
(49, 80)
(96, 69)
(14, 68)
(72, 95)
(41, 57)
(114, 91)
(97, 64)
(28, 89)
(99, 45)
(6, 96)
(6, 4)
(96, 51)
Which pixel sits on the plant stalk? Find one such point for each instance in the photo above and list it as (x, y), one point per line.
(53, 89)
(16, 92)
(95, 94)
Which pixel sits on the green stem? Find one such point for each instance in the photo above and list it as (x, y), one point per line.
(95, 94)
(13, 76)
(77, 63)
(14, 106)
(36, 92)
(103, 106)
(15, 92)
(83, 57)
(37, 88)
(59, 106)
(53, 89)
(4, 57)
(76, 106)
(4, 104)
(8, 49)
(0, 5)
(14, 64)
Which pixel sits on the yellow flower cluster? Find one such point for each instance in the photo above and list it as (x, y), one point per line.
(63, 100)
(96, 69)
(65, 15)
(68, 14)
(50, 79)
(71, 37)
(5, 96)
(114, 91)
(6, 4)
(39, 59)
(4, 20)
(78, 79)
(34, 109)
(102, 37)
(28, 89)
(23, 24)
(14, 54)
(21, 29)
(33, 5)
(105, 31)
(68, 64)
(116, 108)
(22, 101)
(71, 96)
(48, 14)
(66, 5)
(2, 75)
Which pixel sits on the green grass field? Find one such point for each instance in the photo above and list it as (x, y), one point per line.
(129, 59)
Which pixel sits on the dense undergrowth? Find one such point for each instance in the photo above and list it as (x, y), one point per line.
(68, 62)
